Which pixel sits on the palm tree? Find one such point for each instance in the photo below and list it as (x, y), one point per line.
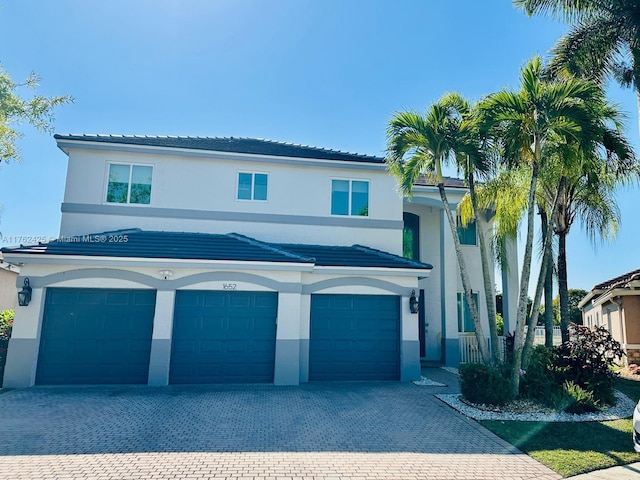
(530, 125)
(604, 40)
(419, 144)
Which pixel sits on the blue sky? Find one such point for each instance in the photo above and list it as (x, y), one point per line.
(328, 73)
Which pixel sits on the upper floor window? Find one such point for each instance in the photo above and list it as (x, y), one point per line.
(350, 197)
(465, 320)
(252, 186)
(467, 235)
(411, 236)
(129, 183)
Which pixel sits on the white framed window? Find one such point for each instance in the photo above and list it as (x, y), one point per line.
(350, 197)
(252, 186)
(129, 183)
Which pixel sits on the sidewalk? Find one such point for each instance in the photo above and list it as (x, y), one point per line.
(623, 472)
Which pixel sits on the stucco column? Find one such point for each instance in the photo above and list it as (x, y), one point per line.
(510, 286)
(22, 356)
(305, 335)
(409, 343)
(161, 338)
(449, 285)
(287, 363)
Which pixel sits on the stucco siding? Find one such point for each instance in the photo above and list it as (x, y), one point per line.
(300, 195)
(631, 305)
(8, 290)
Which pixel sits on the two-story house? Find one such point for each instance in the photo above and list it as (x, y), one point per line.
(215, 260)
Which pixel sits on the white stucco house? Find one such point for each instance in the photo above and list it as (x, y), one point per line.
(217, 260)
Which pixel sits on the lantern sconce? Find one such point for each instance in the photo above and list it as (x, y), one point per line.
(24, 295)
(413, 302)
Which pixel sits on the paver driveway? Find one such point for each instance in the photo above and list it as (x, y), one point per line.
(314, 431)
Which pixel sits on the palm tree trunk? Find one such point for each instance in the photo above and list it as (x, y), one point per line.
(548, 288)
(563, 291)
(464, 274)
(518, 342)
(489, 293)
(546, 256)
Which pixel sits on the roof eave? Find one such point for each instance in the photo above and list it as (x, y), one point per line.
(66, 144)
(100, 260)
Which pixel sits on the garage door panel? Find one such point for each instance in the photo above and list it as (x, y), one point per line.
(354, 337)
(231, 335)
(94, 336)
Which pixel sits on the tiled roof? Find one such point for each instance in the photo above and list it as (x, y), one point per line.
(621, 281)
(354, 256)
(256, 146)
(148, 244)
(203, 246)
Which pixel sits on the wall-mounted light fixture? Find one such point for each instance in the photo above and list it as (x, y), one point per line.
(24, 295)
(413, 302)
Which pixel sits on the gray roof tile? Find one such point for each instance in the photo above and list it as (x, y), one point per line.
(204, 246)
(256, 146)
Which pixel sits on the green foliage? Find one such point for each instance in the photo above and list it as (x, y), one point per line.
(484, 385)
(500, 324)
(15, 110)
(588, 359)
(576, 377)
(575, 295)
(539, 382)
(577, 400)
(6, 324)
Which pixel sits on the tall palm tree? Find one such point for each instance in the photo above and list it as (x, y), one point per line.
(531, 124)
(419, 144)
(604, 40)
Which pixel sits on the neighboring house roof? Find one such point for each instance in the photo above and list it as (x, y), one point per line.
(256, 146)
(204, 246)
(621, 281)
(8, 266)
(627, 281)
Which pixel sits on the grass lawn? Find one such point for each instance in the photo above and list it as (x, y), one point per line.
(573, 448)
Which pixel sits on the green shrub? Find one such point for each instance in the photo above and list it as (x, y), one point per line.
(588, 360)
(573, 398)
(6, 324)
(483, 384)
(540, 381)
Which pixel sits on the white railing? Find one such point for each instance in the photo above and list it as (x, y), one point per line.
(539, 335)
(470, 353)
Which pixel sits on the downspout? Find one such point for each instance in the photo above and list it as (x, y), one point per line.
(623, 325)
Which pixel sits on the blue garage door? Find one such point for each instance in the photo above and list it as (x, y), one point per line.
(95, 336)
(354, 337)
(223, 337)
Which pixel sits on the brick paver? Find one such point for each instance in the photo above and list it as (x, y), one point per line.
(316, 431)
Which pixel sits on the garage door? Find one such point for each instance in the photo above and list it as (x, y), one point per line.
(354, 337)
(95, 336)
(223, 337)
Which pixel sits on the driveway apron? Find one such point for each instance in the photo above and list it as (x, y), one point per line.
(312, 431)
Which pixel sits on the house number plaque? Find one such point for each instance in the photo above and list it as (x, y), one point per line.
(229, 286)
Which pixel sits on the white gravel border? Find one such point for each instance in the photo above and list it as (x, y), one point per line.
(623, 409)
(425, 382)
